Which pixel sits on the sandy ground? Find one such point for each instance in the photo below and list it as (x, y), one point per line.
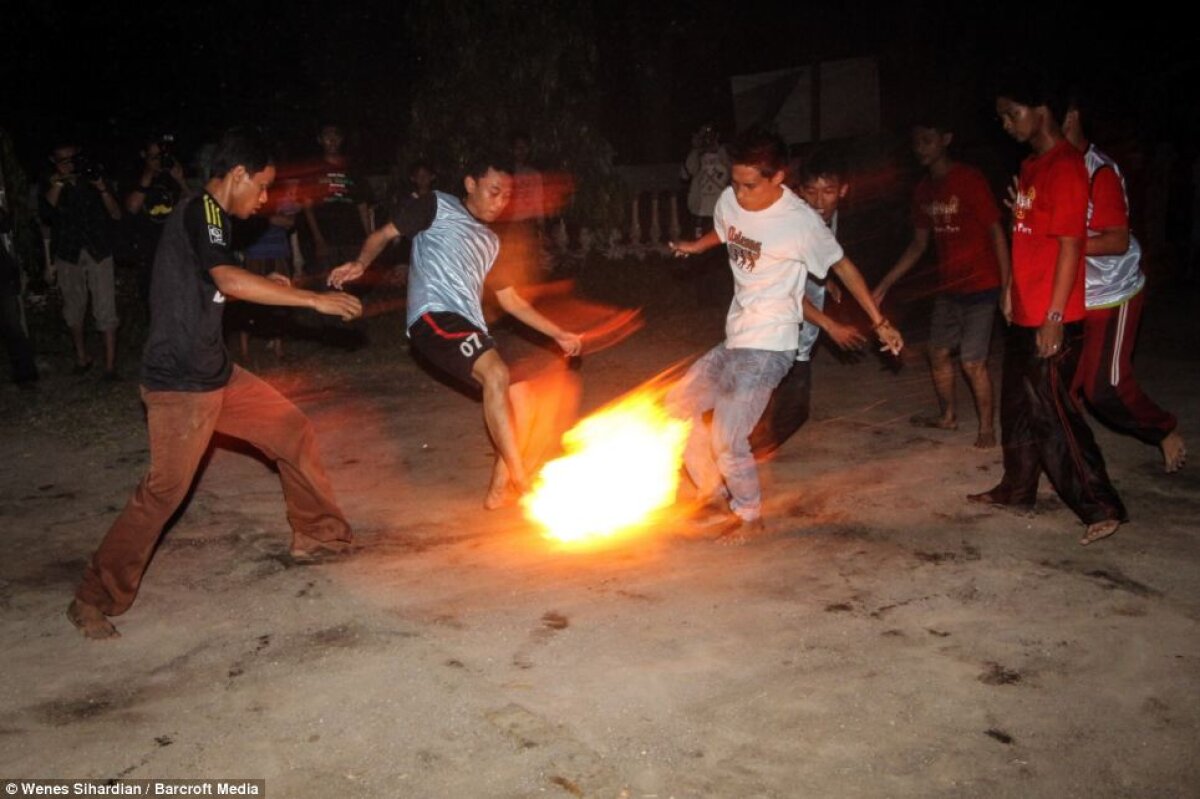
(886, 639)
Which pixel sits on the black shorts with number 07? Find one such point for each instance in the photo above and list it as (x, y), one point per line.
(450, 342)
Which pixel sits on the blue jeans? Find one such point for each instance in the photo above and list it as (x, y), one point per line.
(735, 385)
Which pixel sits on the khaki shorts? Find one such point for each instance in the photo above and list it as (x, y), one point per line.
(76, 281)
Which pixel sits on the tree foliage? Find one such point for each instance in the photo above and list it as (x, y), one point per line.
(487, 69)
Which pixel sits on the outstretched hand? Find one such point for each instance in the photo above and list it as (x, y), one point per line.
(890, 337)
(337, 303)
(346, 273)
(682, 249)
(571, 343)
(846, 336)
(1012, 192)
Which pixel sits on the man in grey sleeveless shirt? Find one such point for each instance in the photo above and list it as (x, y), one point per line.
(453, 251)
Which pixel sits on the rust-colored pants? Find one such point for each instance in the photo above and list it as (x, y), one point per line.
(181, 424)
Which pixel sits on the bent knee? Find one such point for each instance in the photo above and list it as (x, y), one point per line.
(1101, 395)
(163, 488)
(492, 375)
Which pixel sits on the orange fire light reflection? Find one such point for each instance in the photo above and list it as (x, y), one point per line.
(621, 467)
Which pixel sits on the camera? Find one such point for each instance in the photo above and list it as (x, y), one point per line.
(88, 169)
(706, 136)
(165, 159)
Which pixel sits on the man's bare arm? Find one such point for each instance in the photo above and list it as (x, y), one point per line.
(908, 259)
(1000, 245)
(371, 248)
(513, 303)
(1050, 333)
(1111, 241)
(845, 336)
(852, 279)
(682, 249)
(236, 282)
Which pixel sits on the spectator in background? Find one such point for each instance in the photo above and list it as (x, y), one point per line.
(1114, 296)
(422, 177)
(20, 352)
(77, 204)
(953, 205)
(269, 254)
(15, 231)
(707, 170)
(159, 186)
(338, 204)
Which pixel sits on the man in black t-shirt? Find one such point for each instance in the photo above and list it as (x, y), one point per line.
(76, 202)
(191, 388)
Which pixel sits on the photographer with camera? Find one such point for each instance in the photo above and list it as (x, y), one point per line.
(154, 194)
(77, 204)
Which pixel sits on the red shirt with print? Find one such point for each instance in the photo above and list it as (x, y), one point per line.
(959, 209)
(1052, 201)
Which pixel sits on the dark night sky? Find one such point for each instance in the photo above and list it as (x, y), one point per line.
(105, 73)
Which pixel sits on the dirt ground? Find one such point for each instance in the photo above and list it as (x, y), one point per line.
(885, 639)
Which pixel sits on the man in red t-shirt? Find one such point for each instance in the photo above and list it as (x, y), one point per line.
(954, 204)
(1040, 423)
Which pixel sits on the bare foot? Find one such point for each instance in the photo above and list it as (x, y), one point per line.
(936, 422)
(740, 532)
(986, 439)
(520, 484)
(498, 496)
(90, 621)
(1099, 530)
(1174, 452)
(314, 551)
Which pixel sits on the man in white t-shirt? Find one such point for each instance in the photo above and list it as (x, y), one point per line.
(775, 240)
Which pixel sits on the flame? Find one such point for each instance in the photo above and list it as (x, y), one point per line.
(622, 465)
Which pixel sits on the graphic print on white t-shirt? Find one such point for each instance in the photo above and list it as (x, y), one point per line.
(743, 250)
(771, 252)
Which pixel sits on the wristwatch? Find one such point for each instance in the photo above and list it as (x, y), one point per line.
(1054, 316)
